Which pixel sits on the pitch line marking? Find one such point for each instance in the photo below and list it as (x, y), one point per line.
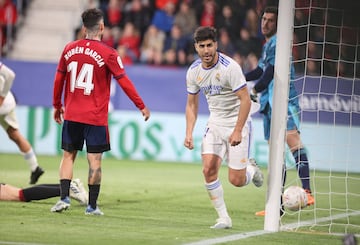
(19, 243)
(230, 238)
(245, 235)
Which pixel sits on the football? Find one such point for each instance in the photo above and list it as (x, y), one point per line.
(294, 198)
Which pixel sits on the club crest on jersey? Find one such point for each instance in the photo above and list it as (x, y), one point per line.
(217, 77)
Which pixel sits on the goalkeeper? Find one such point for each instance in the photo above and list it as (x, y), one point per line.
(264, 74)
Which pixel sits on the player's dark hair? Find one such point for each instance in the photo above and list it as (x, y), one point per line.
(92, 17)
(203, 33)
(271, 10)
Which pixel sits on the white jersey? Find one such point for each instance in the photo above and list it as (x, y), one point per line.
(7, 77)
(8, 104)
(219, 84)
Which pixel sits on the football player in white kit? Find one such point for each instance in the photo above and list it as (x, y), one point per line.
(10, 124)
(228, 131)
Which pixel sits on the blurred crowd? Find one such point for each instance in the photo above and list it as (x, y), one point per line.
(10, 10)
(159, 32)
(326, 38)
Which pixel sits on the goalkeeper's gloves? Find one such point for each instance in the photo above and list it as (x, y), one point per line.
(253, 95)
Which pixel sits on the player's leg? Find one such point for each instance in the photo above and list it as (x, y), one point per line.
(297, 149)
(10, 124)
(72, 141)
(66, 172)
(241, 170)
(39, 192)
(97, 142)
(301, 161)
(9, 192)
(212, 152)
(214, 188)
(45, 191)
(36, 192)
(94, 182)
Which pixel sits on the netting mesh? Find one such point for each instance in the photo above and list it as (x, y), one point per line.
(326, 58)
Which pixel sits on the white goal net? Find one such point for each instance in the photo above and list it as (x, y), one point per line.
(326, 58)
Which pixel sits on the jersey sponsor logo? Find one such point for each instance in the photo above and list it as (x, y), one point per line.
(211, 89)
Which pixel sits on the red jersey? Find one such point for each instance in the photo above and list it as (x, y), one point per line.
(84, 76)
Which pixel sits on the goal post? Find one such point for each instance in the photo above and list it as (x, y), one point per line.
(321, 40)
(279, 113)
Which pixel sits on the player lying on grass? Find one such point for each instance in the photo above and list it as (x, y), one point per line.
(42, 191)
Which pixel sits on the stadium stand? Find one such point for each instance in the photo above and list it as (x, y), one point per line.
(46, 29)
(48, 25)
(8, 23)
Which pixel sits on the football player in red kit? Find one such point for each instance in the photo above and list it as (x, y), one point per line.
(83, 79)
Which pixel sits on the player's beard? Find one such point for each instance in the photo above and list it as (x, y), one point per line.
(208, 59)
(267, 32)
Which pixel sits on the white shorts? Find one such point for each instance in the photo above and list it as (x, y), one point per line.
(9, 120)
(216, 141)
(8, 105)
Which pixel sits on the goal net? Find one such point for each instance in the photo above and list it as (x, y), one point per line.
(326, 58)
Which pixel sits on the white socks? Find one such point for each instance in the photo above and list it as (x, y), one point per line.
(216, 194)
(31, 159)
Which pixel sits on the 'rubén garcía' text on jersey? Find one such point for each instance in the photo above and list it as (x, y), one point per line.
(87, 51)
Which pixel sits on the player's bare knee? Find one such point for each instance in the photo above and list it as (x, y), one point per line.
(210, 174)
(237, 181)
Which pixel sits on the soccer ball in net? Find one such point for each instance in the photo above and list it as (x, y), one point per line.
(294, 198)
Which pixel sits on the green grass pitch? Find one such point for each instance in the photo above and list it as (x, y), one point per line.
(144, 203)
